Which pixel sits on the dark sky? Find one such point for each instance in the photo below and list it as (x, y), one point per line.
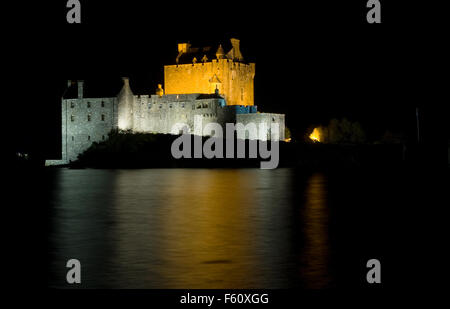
(314, 60)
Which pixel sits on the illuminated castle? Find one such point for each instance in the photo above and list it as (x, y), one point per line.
(205, 82)
(202, 70)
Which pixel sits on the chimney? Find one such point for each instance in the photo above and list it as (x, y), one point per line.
(235, 52)
(80, 89)
(235, 43)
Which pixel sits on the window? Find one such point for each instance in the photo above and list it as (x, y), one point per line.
(170, 106)
(103, 137)
(103, 104)
(73, 138)
(89, 117)
(103, 117)
(89, 104)
(89, 137)
(72, 118)
(182, 105)
(72, 104)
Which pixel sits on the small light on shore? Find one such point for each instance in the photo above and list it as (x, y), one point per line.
(315, 135)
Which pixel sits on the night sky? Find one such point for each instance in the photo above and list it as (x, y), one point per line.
(314, 60)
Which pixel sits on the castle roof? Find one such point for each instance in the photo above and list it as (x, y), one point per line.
(187, 54)
(203, 96)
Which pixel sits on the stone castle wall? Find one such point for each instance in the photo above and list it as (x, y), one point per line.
(88, 120)
(268, 119)
(84, 121)
(159, 114)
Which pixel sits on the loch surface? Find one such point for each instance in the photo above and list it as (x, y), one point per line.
(220, 228)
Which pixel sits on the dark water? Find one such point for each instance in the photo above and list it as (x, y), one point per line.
(224, 228)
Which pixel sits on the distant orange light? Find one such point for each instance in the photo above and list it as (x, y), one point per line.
(315, 135)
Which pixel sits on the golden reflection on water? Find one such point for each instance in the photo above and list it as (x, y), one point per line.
(315, 255)
(210, 235)
(194, 230)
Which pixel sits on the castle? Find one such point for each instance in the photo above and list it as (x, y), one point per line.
(203, 82)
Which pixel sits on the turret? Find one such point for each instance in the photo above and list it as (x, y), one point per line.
(160, 90)
(125, 109)
(220, 54)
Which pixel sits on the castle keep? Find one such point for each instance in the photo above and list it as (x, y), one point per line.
(204, 82)
(203, 70)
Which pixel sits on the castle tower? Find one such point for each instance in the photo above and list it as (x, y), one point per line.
(125, 106)
(219, 70)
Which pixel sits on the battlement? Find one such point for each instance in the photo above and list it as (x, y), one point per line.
(174, 97)
(193, 55)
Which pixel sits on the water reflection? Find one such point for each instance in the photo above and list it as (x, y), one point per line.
(174, 228)
(315, 255)
(82, 225)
